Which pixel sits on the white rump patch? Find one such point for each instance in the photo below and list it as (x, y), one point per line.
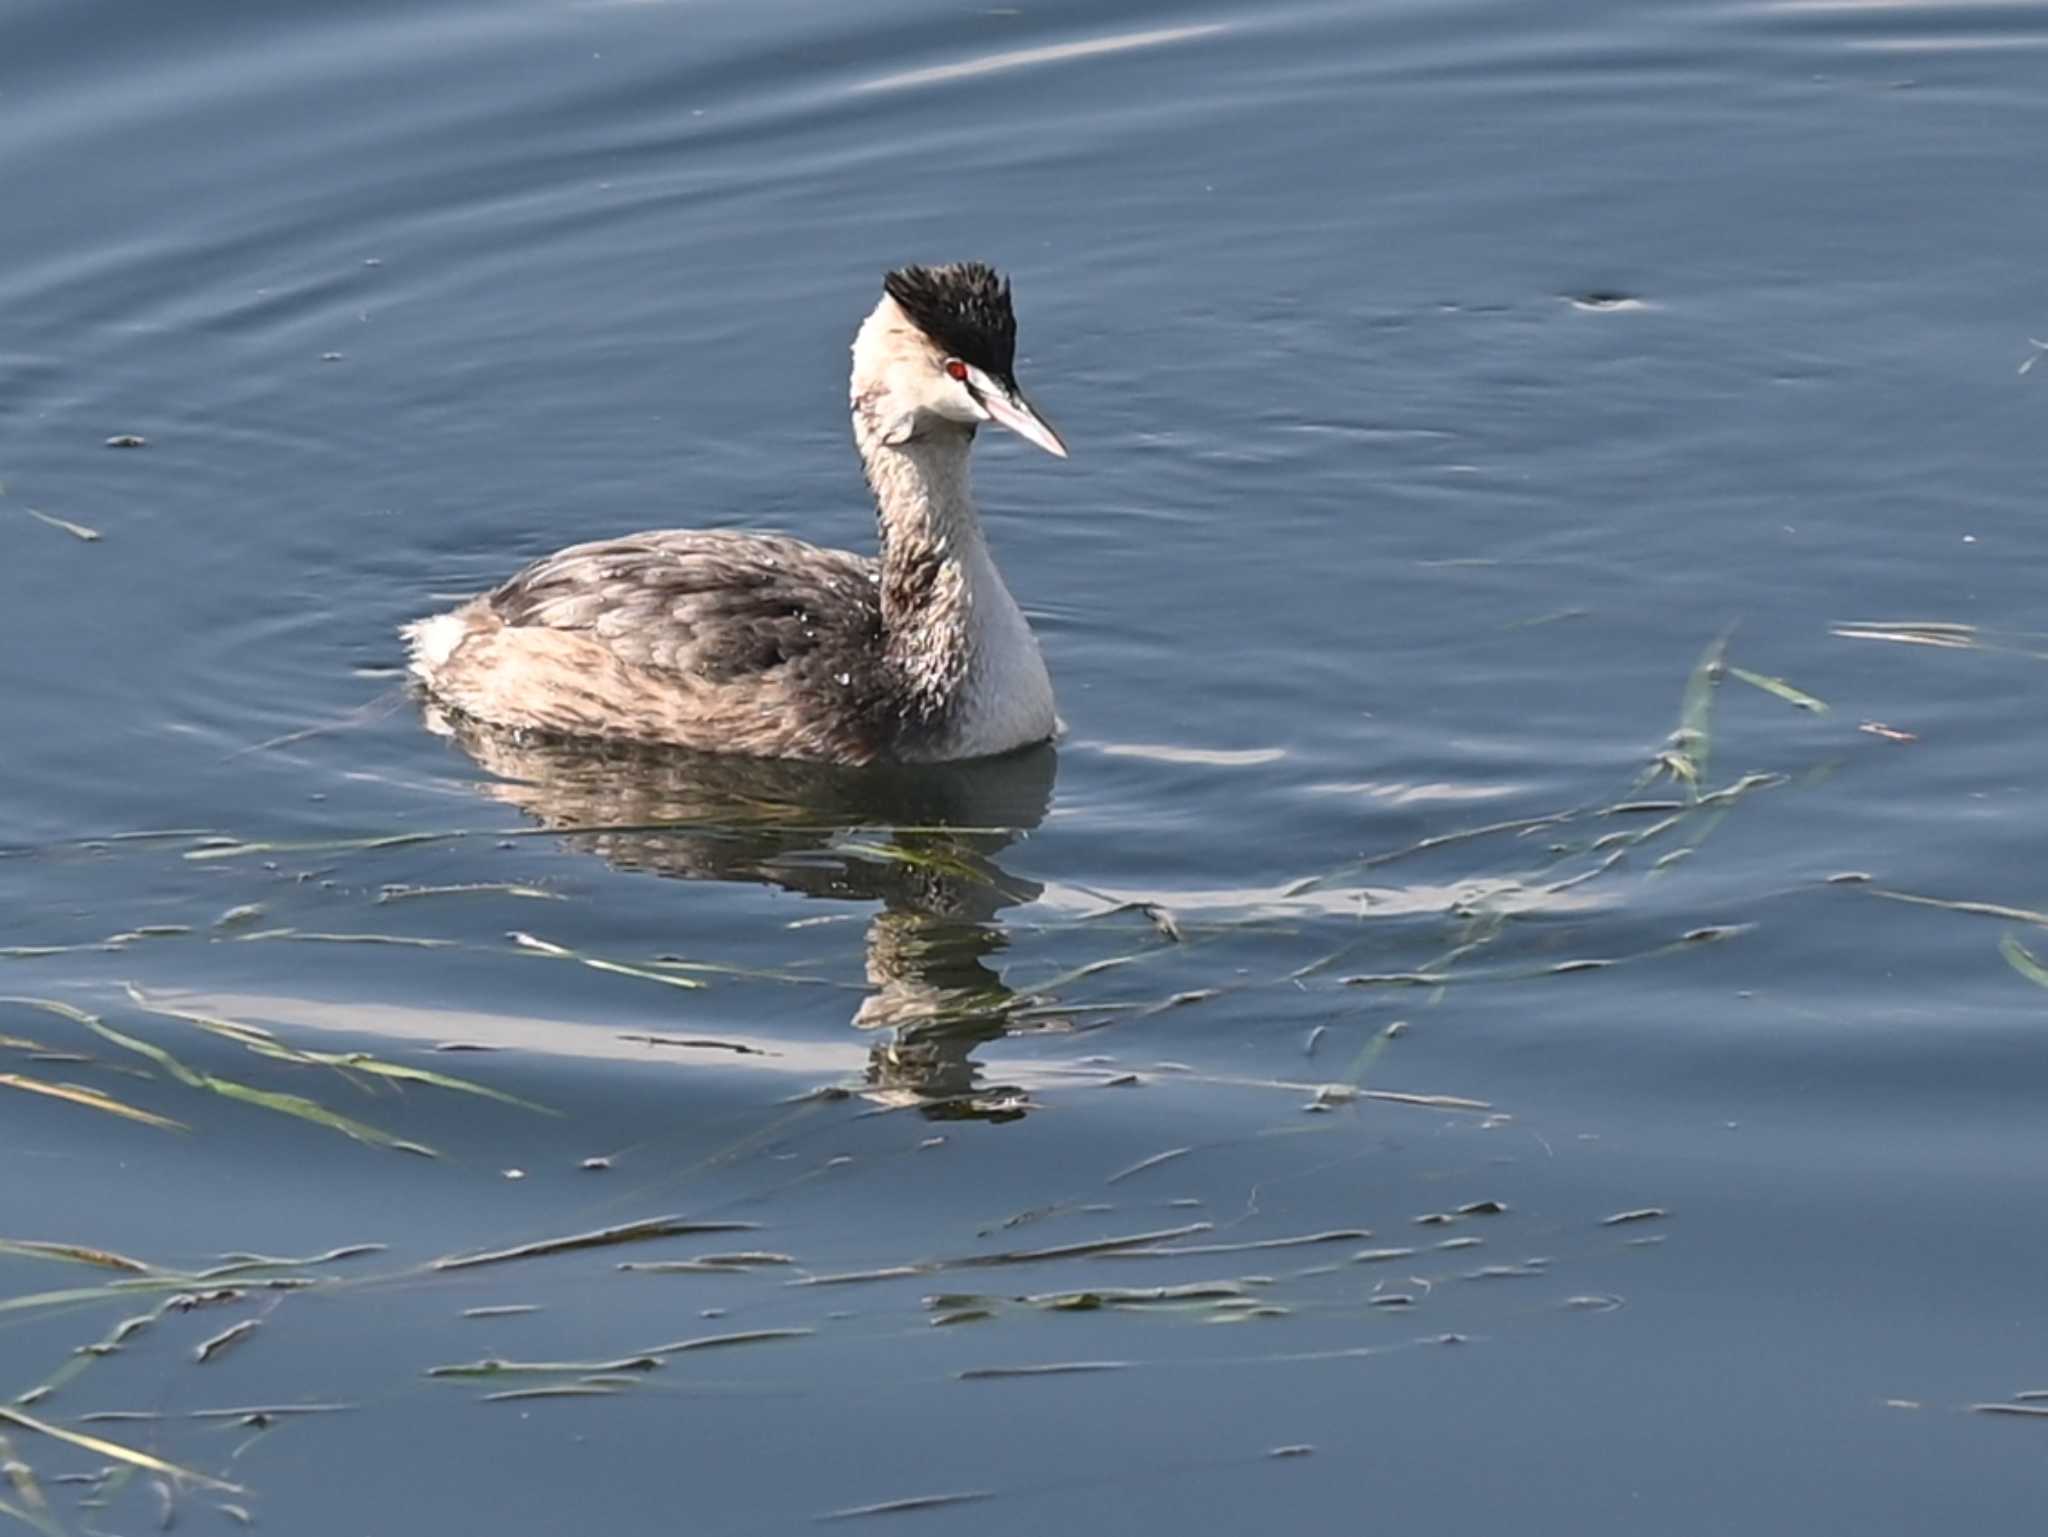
(434, 640)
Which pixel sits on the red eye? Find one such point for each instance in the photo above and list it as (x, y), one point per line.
(957, 369)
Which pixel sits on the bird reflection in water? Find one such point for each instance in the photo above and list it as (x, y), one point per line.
(928, 837)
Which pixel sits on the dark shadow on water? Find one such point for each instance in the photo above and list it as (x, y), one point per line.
(922, 842)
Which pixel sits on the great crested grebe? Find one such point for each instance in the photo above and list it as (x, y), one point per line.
(767, 646)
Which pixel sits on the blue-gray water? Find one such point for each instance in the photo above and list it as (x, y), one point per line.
(1444, 381)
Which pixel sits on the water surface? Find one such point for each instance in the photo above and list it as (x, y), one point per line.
(1460, 395)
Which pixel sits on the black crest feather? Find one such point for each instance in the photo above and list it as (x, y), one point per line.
(965, 308)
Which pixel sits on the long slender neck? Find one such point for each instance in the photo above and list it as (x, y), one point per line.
(951, 631)
(929, 529)
(925, 511)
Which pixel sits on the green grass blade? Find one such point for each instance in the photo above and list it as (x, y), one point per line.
(56, 1299)
(264, 1043)
(367, 1064)
(91, 1099)
(155, 1053)
(541, 946)
(2021, 959)
(1689, 751)
(233, 1030)
(52, 1006)
(76, 1254)
(311, 1110)
(267, 1099)
(1779, 687)
(104, 1448)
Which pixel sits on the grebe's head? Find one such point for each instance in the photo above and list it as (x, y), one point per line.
(941, 349)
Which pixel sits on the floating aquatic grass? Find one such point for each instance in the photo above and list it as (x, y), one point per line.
(243, 1264)
(908, 1505)
(296, 1105)
(625, 1232)
(1148, 1163)
(1730, 793)
(208, 1348)
(75, 530)
(232, 850)
(492, 1367)
(725, 1264)
(1294, 1241)
(391, 894)
(1075, 1250)
(1041, 1369)
(1334, 1092)
(266, 1411)
(217, 846)
(1909, 632)
(304, 1109)
(1688, 751)
(724, 1341)
(1097, 968)
(102, 1447)
(1780, 688)
(308, 936)
(753, 973)
(1637, 1214)
(1005, 1257)
(1568, 967)
(75, 1254)
(938, 860)
(91, 1099)
(854, 1277)
(234, 1030)
(540, 946)
(58, 1299)
(1981, 909)
(2022, 960)
(698, 1043)
(1094, 1298)
(1315, 883)
(1942, 635)
(362, 1062)
(149, 931)
(265, 1044)
(39, 952)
